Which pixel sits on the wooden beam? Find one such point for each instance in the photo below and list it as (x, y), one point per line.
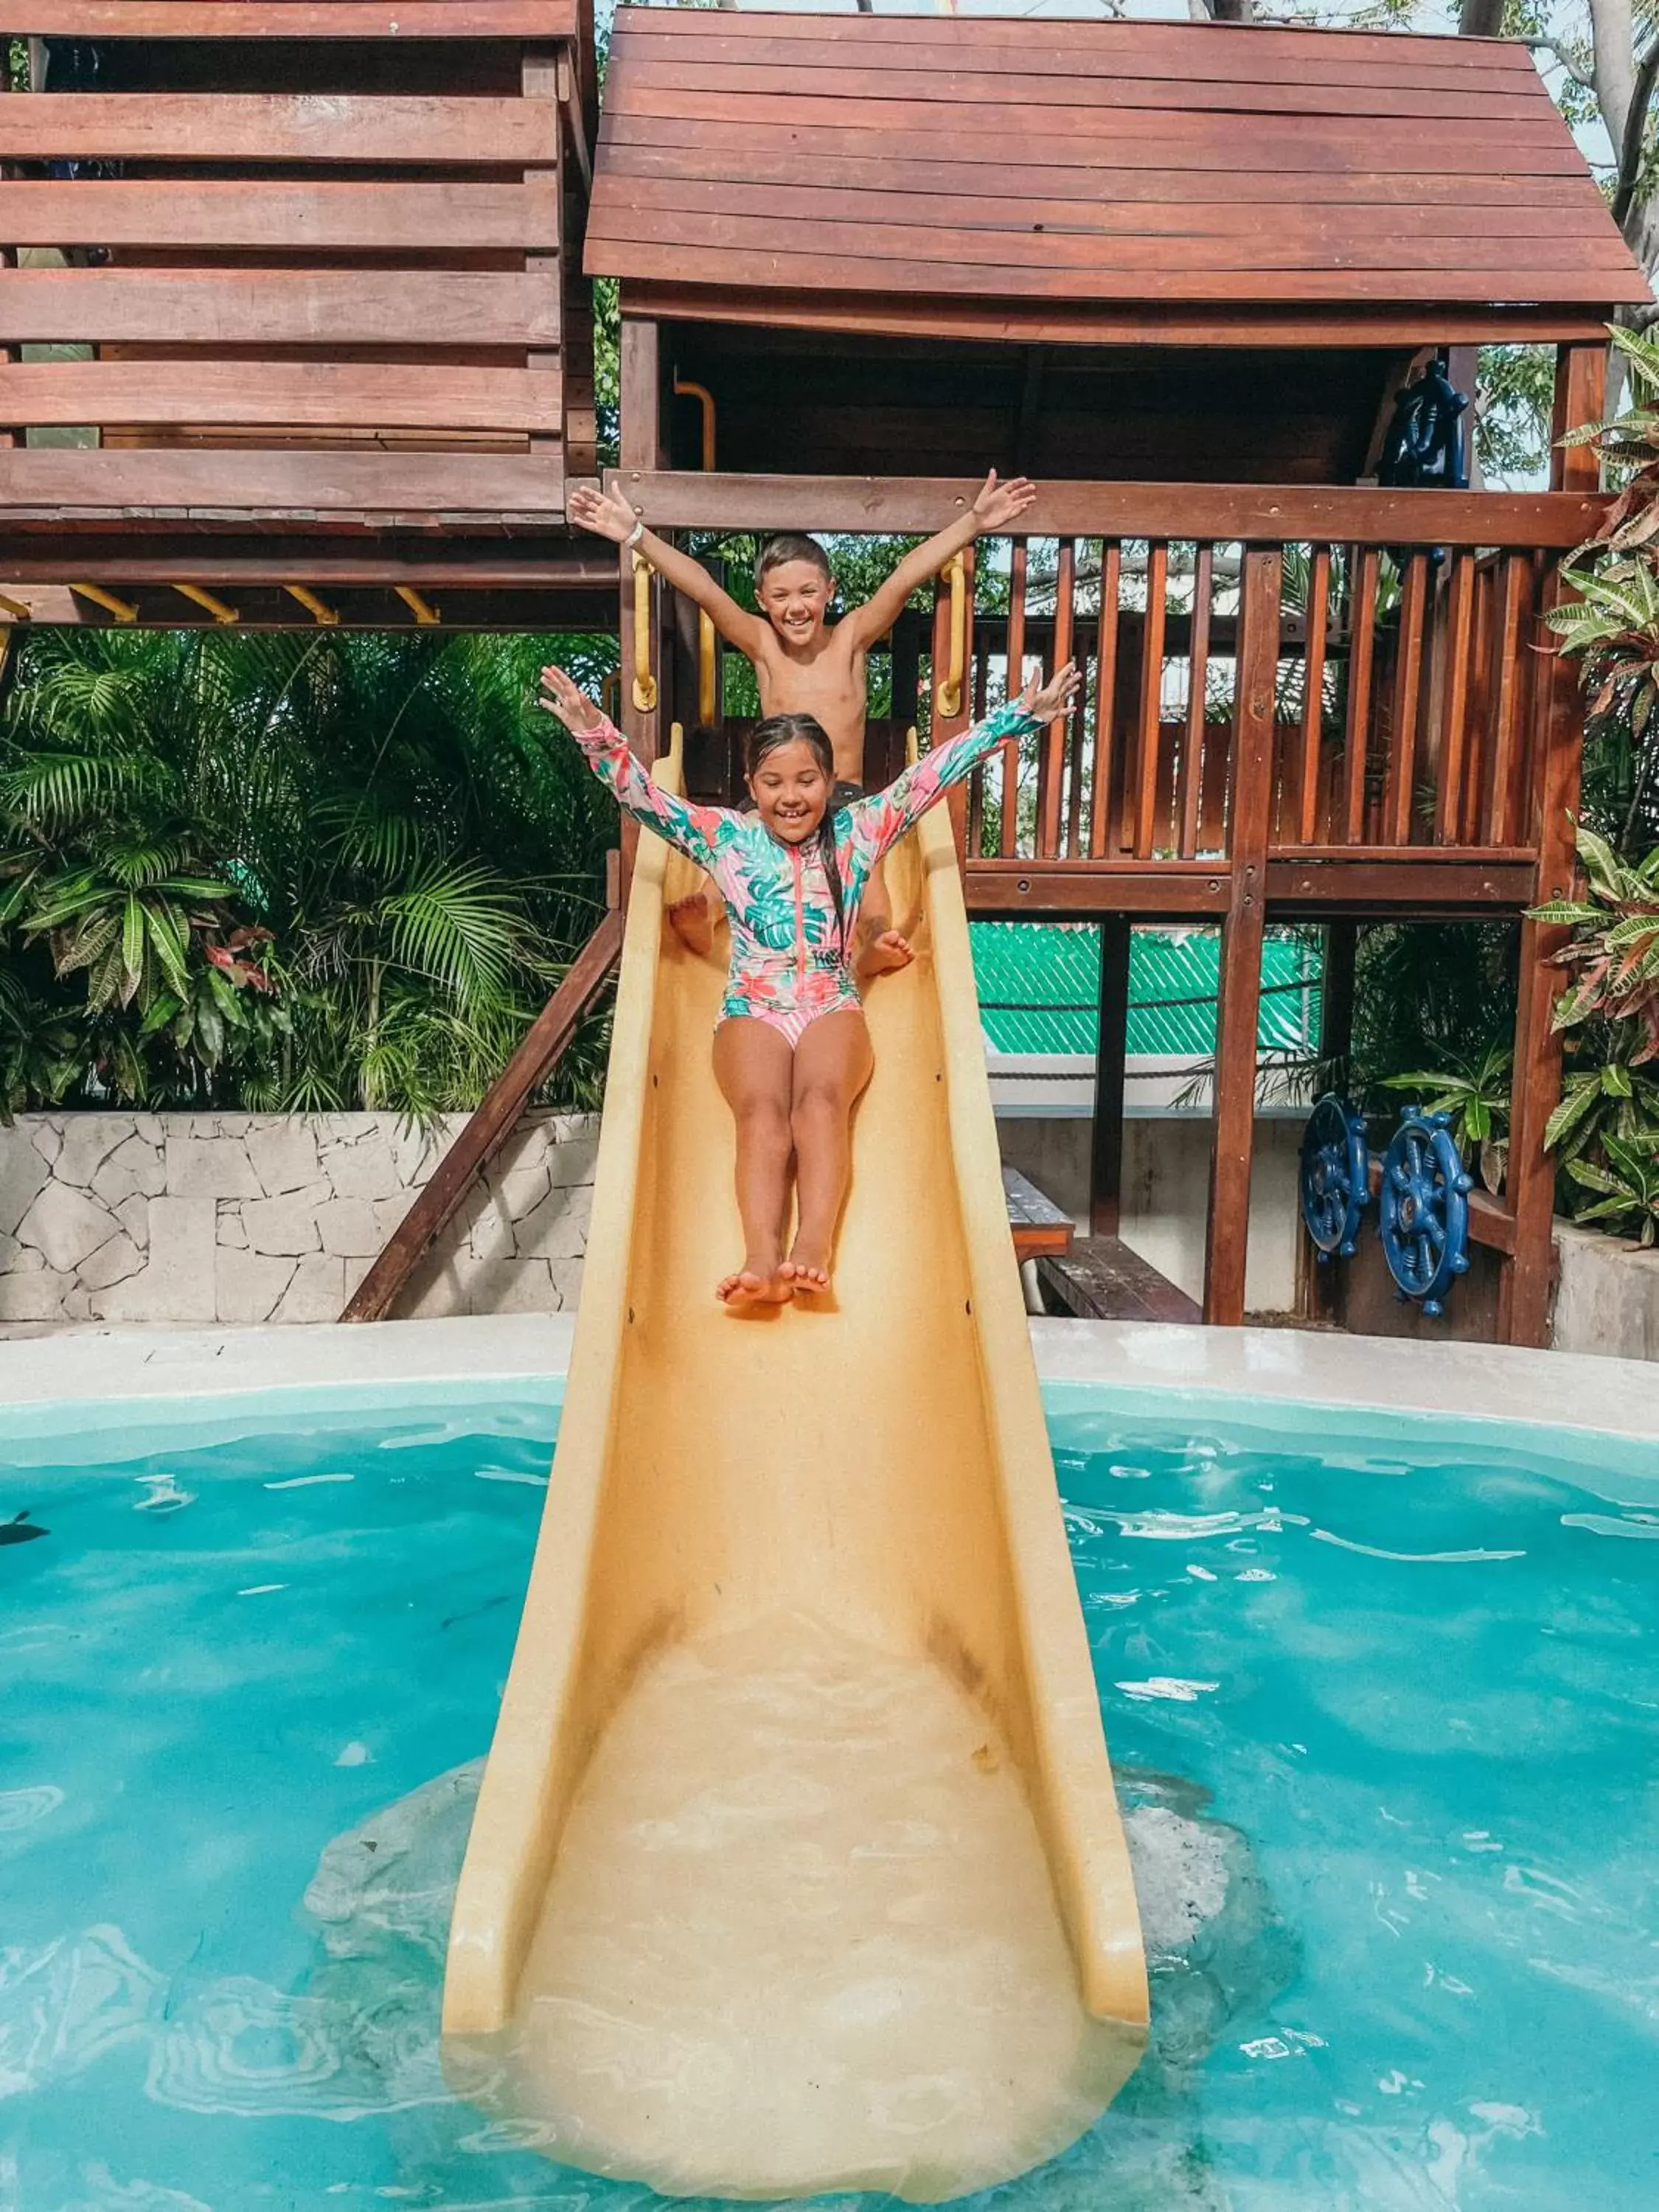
(1227, 1232)
(429, 308)
(278, 217)
(1370, 879)
(1111, 1049)
(1082, 890)
(1114, 323)
(543, 559)
(488, 1130)
(681, 500)
(309, 394)
(42, 480)
(237, 126)
(402, 20)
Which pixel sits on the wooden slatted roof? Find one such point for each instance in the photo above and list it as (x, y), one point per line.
(1049, 165)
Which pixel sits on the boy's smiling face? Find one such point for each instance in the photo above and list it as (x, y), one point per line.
(794, 597)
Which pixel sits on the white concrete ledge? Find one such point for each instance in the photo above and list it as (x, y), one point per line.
(88, 1368)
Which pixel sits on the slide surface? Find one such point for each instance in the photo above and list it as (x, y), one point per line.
(798, 1865)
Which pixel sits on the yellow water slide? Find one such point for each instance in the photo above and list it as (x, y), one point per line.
(798, 1865)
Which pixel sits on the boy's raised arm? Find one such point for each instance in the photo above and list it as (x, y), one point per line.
(997, 505)
(607, 514)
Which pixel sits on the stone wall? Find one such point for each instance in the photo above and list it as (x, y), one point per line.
(253, 1217)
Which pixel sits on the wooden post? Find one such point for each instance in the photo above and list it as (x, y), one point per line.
(1336, 992)
(1524, 1301)
(1111, 1049)
(1238, 1010)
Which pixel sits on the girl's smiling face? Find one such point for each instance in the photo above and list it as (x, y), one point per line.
(791, 792)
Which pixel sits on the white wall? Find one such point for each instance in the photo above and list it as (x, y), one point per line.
(1166, 1187)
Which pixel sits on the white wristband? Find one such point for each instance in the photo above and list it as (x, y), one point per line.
(634, 536)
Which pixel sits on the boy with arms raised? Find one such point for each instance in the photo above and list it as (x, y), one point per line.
(802, 665)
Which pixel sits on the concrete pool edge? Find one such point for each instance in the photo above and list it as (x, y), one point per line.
(87, 1367)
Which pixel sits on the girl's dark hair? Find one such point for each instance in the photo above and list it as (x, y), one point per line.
(806, 729)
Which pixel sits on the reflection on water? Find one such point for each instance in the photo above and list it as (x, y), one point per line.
(1424, 1981)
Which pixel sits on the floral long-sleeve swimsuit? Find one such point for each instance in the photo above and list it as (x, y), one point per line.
(789, 962)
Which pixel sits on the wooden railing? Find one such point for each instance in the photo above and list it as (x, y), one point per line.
(292, 262)
(1395, 683)
(1404, 711)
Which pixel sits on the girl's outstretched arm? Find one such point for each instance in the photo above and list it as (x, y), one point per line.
(693, 830)
(882, 819)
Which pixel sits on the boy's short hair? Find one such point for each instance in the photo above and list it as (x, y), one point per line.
(791, 545)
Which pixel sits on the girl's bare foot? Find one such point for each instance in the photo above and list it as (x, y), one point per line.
(761, 1281)
(808, 1270)
(692, 920)
(881, 955)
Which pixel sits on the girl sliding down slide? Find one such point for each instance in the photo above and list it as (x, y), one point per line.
(792, 1053)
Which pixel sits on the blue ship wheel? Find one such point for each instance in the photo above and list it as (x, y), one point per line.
(1423, 1220)
(1335, 1176)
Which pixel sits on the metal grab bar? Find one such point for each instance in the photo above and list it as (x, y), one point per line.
(950, 691)
(645, 684)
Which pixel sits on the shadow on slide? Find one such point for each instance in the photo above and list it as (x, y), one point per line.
(798, 1865)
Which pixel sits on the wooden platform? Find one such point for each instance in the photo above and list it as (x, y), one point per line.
(1039, 1227)
(1100, 1279)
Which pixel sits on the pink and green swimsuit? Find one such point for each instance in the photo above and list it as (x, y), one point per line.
(789, 962)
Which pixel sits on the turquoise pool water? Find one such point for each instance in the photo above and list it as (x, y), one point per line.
(1382, 1696)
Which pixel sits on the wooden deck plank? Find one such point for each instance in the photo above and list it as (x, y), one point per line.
(42, 480)
(277, 307)
(402, 20)
(1100, 1279)
(223, 126)
(292, 394)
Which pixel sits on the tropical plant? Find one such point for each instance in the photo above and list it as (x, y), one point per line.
(1473, 1092)
(1624, 1187)
(1613, 953)
(303, 870)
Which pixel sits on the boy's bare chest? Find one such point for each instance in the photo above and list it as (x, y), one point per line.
(832, 688)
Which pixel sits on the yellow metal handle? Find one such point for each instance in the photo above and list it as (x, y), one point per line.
(685, 389)
(950, 691)
(645, 684)
(123, 610)
(705, 668)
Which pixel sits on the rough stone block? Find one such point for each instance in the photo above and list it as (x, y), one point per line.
(247, 1286)
(38, 1296)
(133, 1214)
(110, 1263)
(209, 1167)
(177, 1285)
(566, 1282)
(499, 1286)
(284, 1225)
(284, 1154)
(88, 1140)
(67, 1226)
(490, 1220)
(389, 1212)
(347, 1228)
(317, 1292)
(557, 1230)
(437, 1288)
(573, 1162)
(45, 1133)
(232, 1229)
(133, 1168)
(24, 1174)
(364, 1169)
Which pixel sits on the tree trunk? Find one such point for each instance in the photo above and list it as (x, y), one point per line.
(1480, 19)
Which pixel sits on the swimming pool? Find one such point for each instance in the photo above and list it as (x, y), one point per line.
(1380, 1701)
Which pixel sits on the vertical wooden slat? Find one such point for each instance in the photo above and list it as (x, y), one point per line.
(1008, 842)
(976, 786)
(1151, 688)
(1051, 765)
(1503, 749)
(1454, 728)
(1100, 791)
(1077, 726)
(1233, 1126)
(1523, 1303)
(1401, 779)
(1478, 720)
(1106, 1137)
(1362, 641)
(1192, 751)
(1313, 693)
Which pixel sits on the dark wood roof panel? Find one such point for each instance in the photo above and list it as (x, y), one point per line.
(983, 158)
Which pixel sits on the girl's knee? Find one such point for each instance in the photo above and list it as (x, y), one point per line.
(817, 1105)
(762, 1116)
